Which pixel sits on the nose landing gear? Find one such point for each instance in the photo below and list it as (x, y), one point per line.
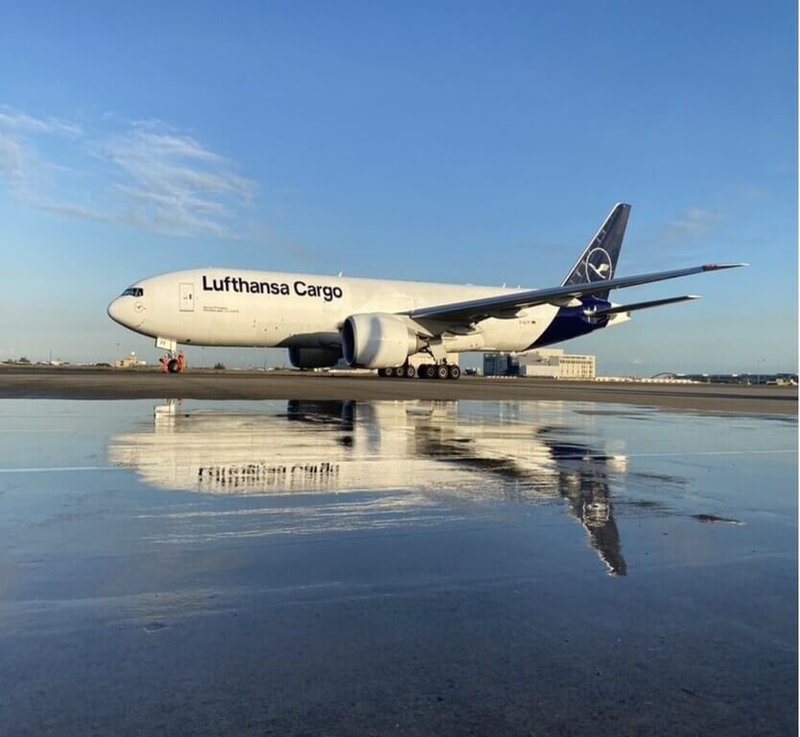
(173, 364)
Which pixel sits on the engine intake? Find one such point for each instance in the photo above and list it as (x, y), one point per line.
(377, 340)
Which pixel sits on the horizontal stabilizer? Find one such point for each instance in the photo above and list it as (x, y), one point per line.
(614, 309)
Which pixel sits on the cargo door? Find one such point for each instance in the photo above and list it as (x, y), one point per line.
(187, 297)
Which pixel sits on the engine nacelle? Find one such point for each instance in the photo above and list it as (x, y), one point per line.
(377, 340)
(314, 357)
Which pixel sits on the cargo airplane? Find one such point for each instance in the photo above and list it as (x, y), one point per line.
(382, 324)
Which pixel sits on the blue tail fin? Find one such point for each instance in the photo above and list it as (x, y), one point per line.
(598, 262)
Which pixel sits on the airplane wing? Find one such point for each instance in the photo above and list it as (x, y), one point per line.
(508, 305)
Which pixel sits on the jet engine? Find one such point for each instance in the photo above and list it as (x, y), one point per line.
(378, 340)
(308, 358)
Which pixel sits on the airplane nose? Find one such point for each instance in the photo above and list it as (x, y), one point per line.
(127, 312)
(114, 311)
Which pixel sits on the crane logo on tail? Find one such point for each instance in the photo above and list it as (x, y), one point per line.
(599, 266)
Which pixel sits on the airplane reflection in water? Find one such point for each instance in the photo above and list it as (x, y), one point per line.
(335, 446)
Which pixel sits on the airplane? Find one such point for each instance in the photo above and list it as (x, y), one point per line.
(382, 324)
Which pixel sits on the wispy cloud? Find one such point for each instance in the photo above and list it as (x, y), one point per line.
(12, 158)
(696, 223)
(146, 174)
(686, 233)
(15, 120)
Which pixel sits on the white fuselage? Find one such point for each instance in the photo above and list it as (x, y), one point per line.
(236, 307)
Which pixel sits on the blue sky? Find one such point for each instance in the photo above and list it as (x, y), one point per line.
(464, 142)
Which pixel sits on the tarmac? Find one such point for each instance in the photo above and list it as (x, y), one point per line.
(67, 383)
(581, 562)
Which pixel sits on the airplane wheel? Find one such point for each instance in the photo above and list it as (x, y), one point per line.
(388, 372)
(442, 371)
(382, 373)
(427, 371)
(172, 366)
(454, 372)
(410, 372)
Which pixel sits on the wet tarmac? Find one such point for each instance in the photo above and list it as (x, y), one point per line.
(337, 567)
(89, 383)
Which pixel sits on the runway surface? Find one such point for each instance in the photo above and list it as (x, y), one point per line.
(384, 567)
(120, 384)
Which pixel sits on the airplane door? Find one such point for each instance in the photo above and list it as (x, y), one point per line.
(187, 297)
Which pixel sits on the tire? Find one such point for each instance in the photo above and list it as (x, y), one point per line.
(382, 373)
(388, 372)
(427, 371)
(442, 371)
(172, 366)
(409, 372)
(454, 372)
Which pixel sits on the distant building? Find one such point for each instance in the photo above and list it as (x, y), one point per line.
(549, 363)
(500, 364)
(129, 361)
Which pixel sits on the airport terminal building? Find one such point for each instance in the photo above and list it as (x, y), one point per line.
(549, 363)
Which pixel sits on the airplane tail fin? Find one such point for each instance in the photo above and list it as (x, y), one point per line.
(598, 262)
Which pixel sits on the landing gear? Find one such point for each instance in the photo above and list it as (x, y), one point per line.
(438, 368)
(427, 371)
(173, 364)
(173, 361)
(406, 371)
(439, 371)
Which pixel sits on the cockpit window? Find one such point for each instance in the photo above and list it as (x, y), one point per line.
(133, 292)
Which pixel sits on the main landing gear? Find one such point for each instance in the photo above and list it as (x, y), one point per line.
(425, 371)
(406, 371)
